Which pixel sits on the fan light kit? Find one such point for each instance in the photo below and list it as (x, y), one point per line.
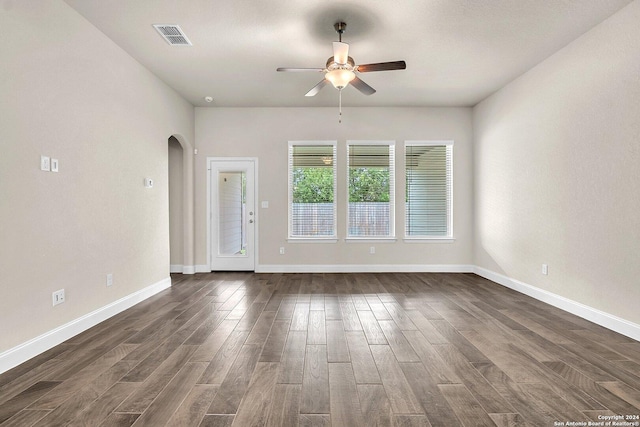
(341, 70)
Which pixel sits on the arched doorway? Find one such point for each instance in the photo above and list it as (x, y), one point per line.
(176, 218)
(181, 221)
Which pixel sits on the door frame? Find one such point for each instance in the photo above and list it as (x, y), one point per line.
(230, 160)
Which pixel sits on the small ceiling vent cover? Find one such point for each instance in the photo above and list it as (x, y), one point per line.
(172, 34)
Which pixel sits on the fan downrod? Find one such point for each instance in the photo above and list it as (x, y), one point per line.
(340, 28)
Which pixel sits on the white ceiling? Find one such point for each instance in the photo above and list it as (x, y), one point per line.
(457, 51)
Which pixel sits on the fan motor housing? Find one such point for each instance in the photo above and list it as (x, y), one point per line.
(332, 65)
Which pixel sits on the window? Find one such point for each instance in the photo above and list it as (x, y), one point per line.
(371, 189)
(428, 189)
(312, 189)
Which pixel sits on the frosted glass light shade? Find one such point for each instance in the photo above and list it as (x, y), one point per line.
(340, 78)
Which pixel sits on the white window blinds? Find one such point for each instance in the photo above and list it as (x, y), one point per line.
(312, 189)
(371, 170)
(429, 189)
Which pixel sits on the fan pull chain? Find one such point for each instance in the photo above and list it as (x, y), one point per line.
(340, 106)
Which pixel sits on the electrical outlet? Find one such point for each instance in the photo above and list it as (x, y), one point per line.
(545, 269)
(58, 297)
(281, 250)
(45, 163)
(372, 250)
(109, 279)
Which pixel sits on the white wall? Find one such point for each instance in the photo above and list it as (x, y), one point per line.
(265, 132)
(69, 92)
(557, 171)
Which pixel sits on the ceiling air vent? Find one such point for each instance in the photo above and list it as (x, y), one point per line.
(172, 34)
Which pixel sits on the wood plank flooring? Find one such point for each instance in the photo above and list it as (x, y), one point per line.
(245, 349)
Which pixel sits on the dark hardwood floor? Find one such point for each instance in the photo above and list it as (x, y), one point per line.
(248, 349)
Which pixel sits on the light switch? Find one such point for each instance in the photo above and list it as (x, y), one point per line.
(148, 183)
(54, 165)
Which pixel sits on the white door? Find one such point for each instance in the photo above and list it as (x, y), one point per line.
(232, 220)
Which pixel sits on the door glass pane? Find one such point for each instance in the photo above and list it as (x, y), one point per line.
(232, 235)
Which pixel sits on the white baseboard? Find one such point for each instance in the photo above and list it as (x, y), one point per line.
(606, 320)
(365, 268)
(188, 269)
(203, 268)
(25, 351)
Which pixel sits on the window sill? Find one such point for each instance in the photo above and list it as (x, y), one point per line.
(312, 240)
(429, 240)
(370, 240)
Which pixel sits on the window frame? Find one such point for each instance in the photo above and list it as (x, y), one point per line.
(320, 238)
(449, 238)
(391, 237)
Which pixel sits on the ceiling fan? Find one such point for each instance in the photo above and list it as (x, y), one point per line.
(340, 69)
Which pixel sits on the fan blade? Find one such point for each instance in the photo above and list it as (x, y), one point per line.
(301, 69)
(362, 86)
(314, 90)
(340, 52)
(382, 66)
